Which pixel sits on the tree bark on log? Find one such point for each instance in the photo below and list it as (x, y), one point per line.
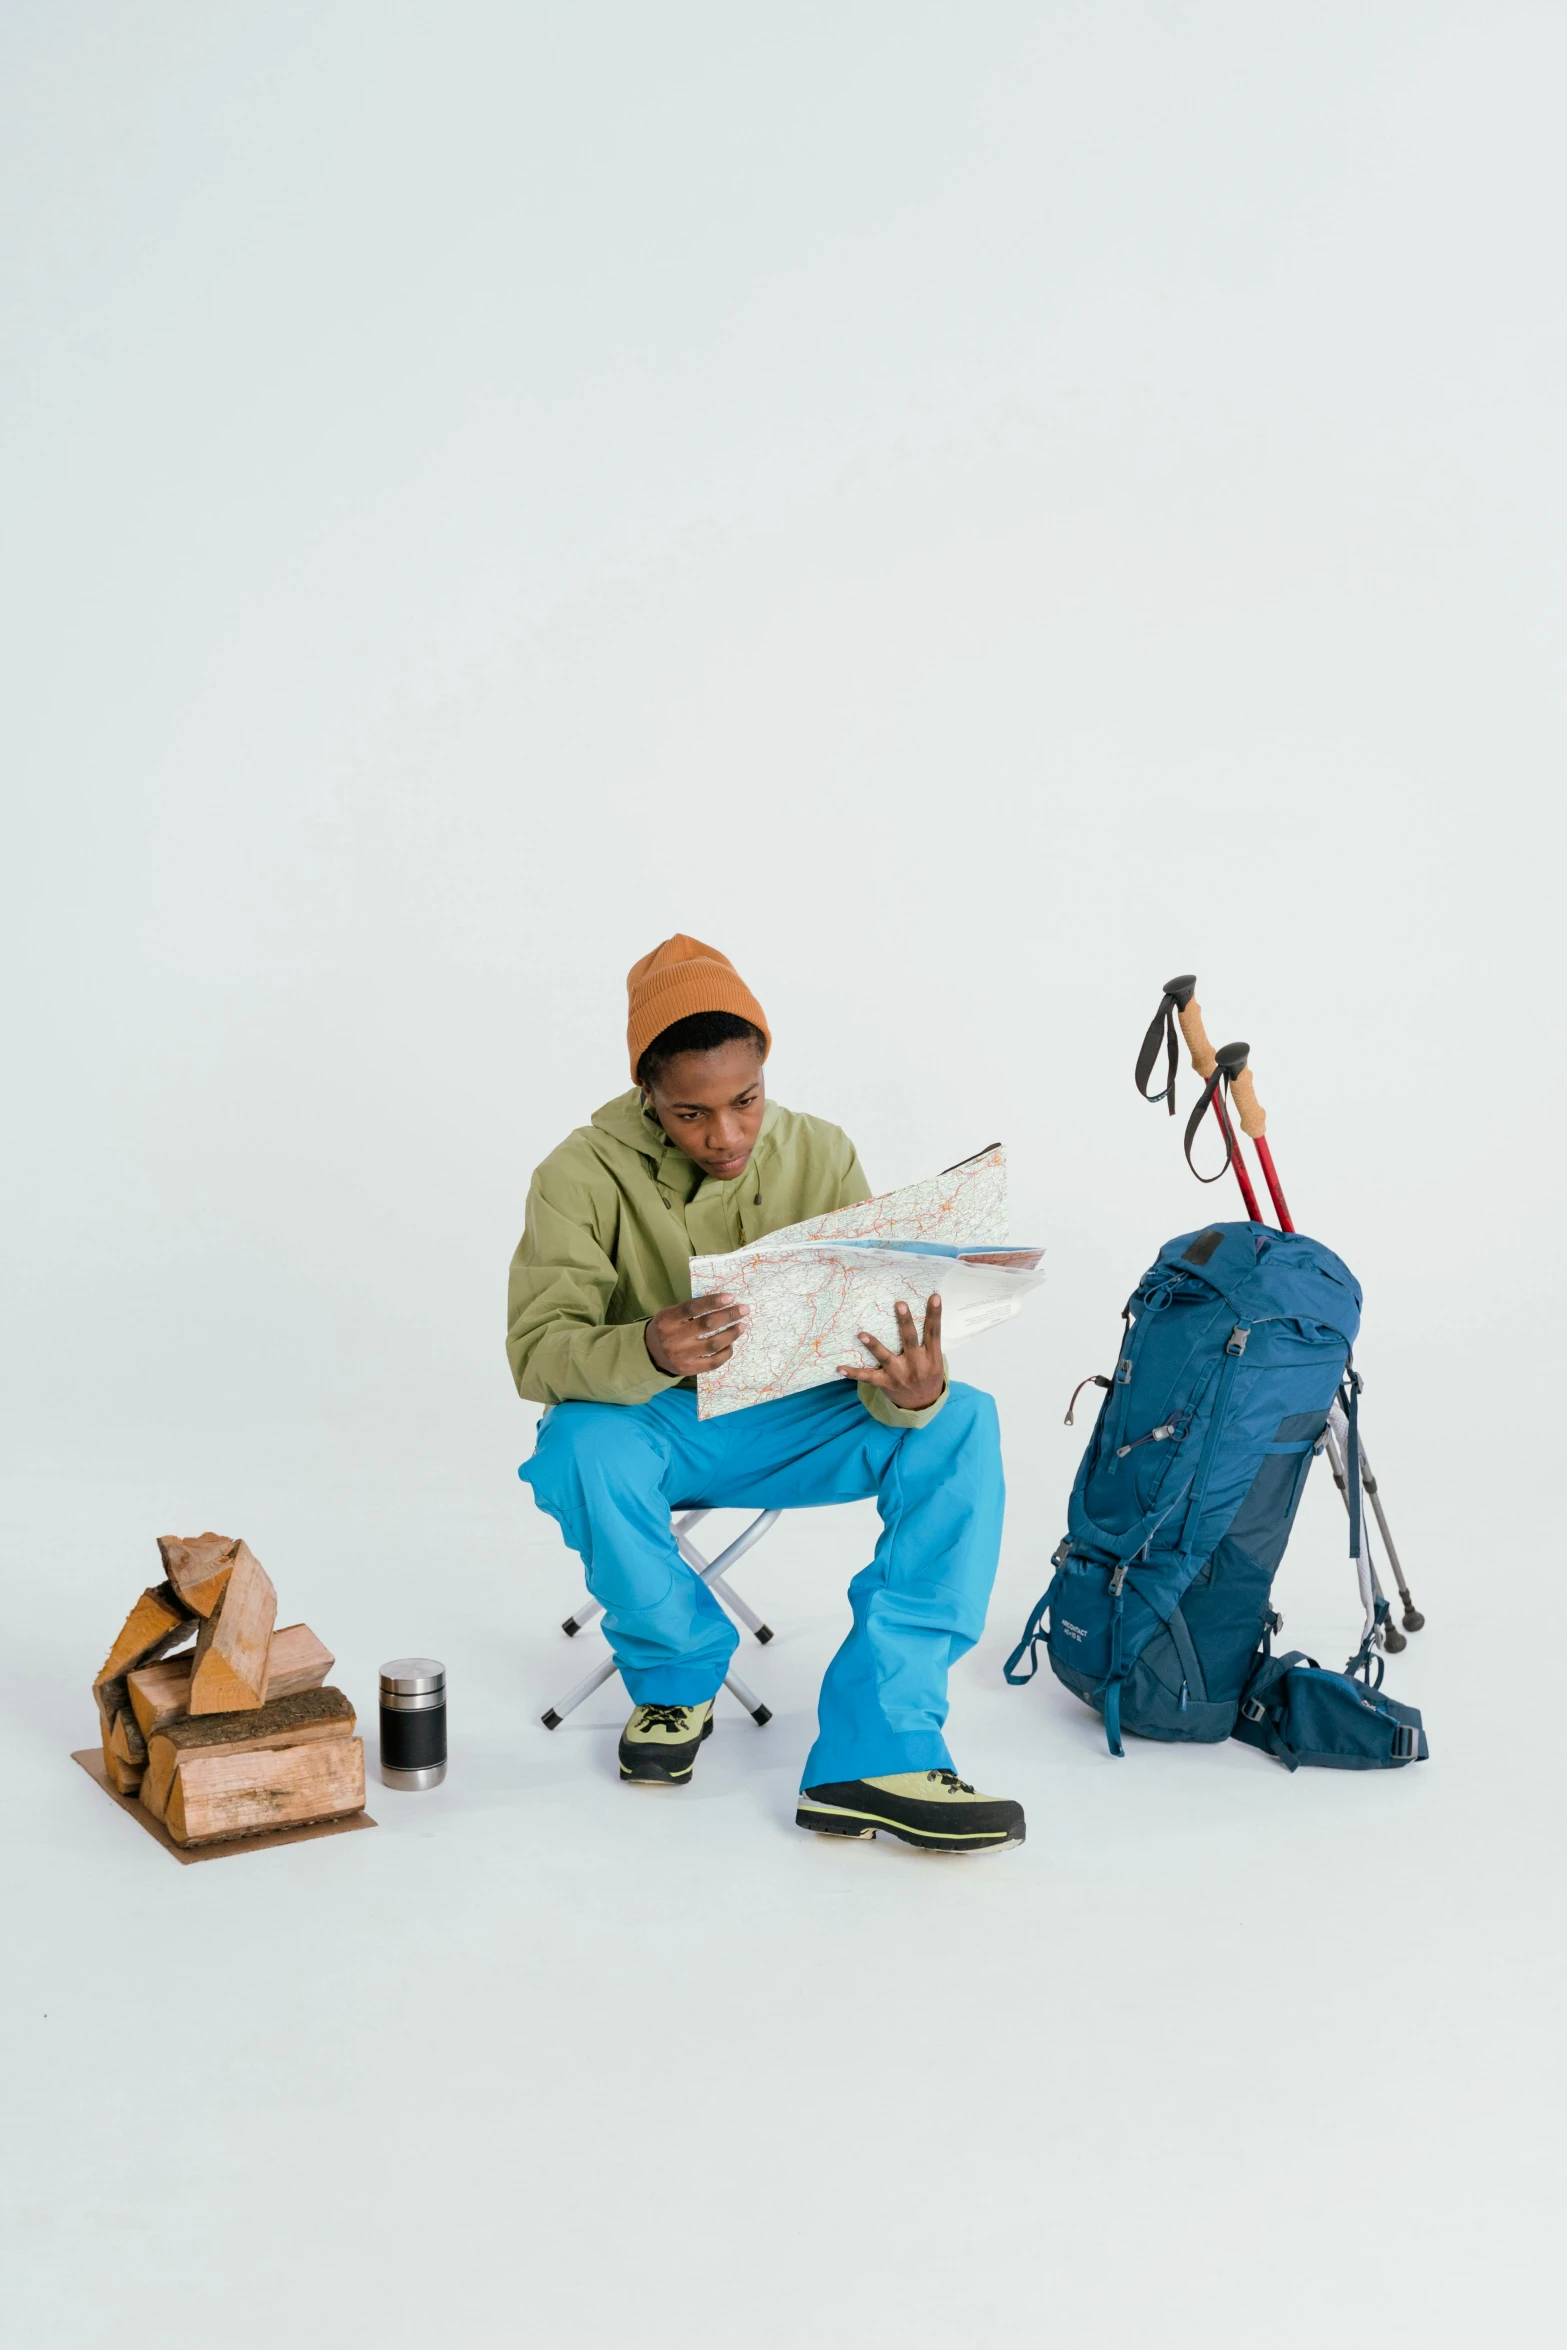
(296, 1660)
(306, 1719)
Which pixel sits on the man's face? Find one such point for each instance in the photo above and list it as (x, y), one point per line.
(711, 1104)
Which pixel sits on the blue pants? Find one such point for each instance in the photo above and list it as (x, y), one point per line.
(609, 1474)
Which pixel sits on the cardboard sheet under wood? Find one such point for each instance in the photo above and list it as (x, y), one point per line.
(92, 1763)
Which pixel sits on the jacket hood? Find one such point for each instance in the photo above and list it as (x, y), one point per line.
(624, 1120)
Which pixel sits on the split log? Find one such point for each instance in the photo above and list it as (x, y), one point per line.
(232, 1647)
(220, 1794)
(126, 1740)
(124, 1777)
(158, 1619)
(198, 1566)
(159, 1694)
(296, 1660)
(157, 1623)
(306, 1719)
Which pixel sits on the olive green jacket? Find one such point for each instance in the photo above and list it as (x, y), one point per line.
(615, 1214)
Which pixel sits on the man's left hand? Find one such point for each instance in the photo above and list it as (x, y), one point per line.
(913, 1379)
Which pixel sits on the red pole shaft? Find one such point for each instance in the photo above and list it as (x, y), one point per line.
(1271, 1177)
(1232, 1142)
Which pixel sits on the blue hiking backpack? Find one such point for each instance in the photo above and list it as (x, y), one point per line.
(1237, 1340)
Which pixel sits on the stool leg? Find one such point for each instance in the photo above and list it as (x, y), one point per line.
(712, 1570)
(759, 1713)
(742, 1543)
(748, 1616)
(568, 1705)
(711, 1574)
(584, 1615)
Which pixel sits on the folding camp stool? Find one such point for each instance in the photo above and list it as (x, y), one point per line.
(712, 1573)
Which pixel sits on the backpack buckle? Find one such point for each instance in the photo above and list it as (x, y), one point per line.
(1236, 1342)
(1251, 1711)
(1404, 1744)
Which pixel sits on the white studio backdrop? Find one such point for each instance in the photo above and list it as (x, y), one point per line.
(971, 510)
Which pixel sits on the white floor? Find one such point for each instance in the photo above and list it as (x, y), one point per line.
(971, 510)
(1219, 2054)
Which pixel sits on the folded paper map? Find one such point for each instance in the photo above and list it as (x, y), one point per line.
(814, 1286)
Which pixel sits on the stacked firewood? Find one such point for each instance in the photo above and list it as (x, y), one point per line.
(234, 1733)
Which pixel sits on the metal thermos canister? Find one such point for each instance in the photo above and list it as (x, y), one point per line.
(413, 1722)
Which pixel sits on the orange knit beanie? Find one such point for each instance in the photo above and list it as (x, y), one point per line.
(681, 977)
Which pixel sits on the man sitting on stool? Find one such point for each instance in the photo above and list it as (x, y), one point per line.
(695, 1161)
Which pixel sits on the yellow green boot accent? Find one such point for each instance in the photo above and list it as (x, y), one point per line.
(658, 1745)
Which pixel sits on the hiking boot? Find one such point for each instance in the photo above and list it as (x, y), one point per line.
(936, 1810)
(658, 1745)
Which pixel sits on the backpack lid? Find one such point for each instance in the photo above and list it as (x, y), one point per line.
(1266, 1275)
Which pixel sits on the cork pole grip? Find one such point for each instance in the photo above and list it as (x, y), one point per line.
(1202, 1052)
(1253, 1117)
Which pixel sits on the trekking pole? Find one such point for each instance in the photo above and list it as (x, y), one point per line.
(1254, 1122)
(1333, 1445)
(1179, 1002)
(1232, 1062)
(1413, 1619)
(1180, 997)
(1333, 1439)
(1254, 1125)
(1346, 1408)
(1219, 1069)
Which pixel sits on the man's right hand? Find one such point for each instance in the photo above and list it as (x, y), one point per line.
(696, 1336)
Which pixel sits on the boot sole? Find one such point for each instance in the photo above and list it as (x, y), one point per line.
(827, 1820)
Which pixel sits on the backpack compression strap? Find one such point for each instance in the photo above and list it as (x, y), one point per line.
(1033, 1633)
(1111, 1688)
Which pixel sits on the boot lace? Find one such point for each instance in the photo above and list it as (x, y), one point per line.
(664, 1717)
(952, 1783)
